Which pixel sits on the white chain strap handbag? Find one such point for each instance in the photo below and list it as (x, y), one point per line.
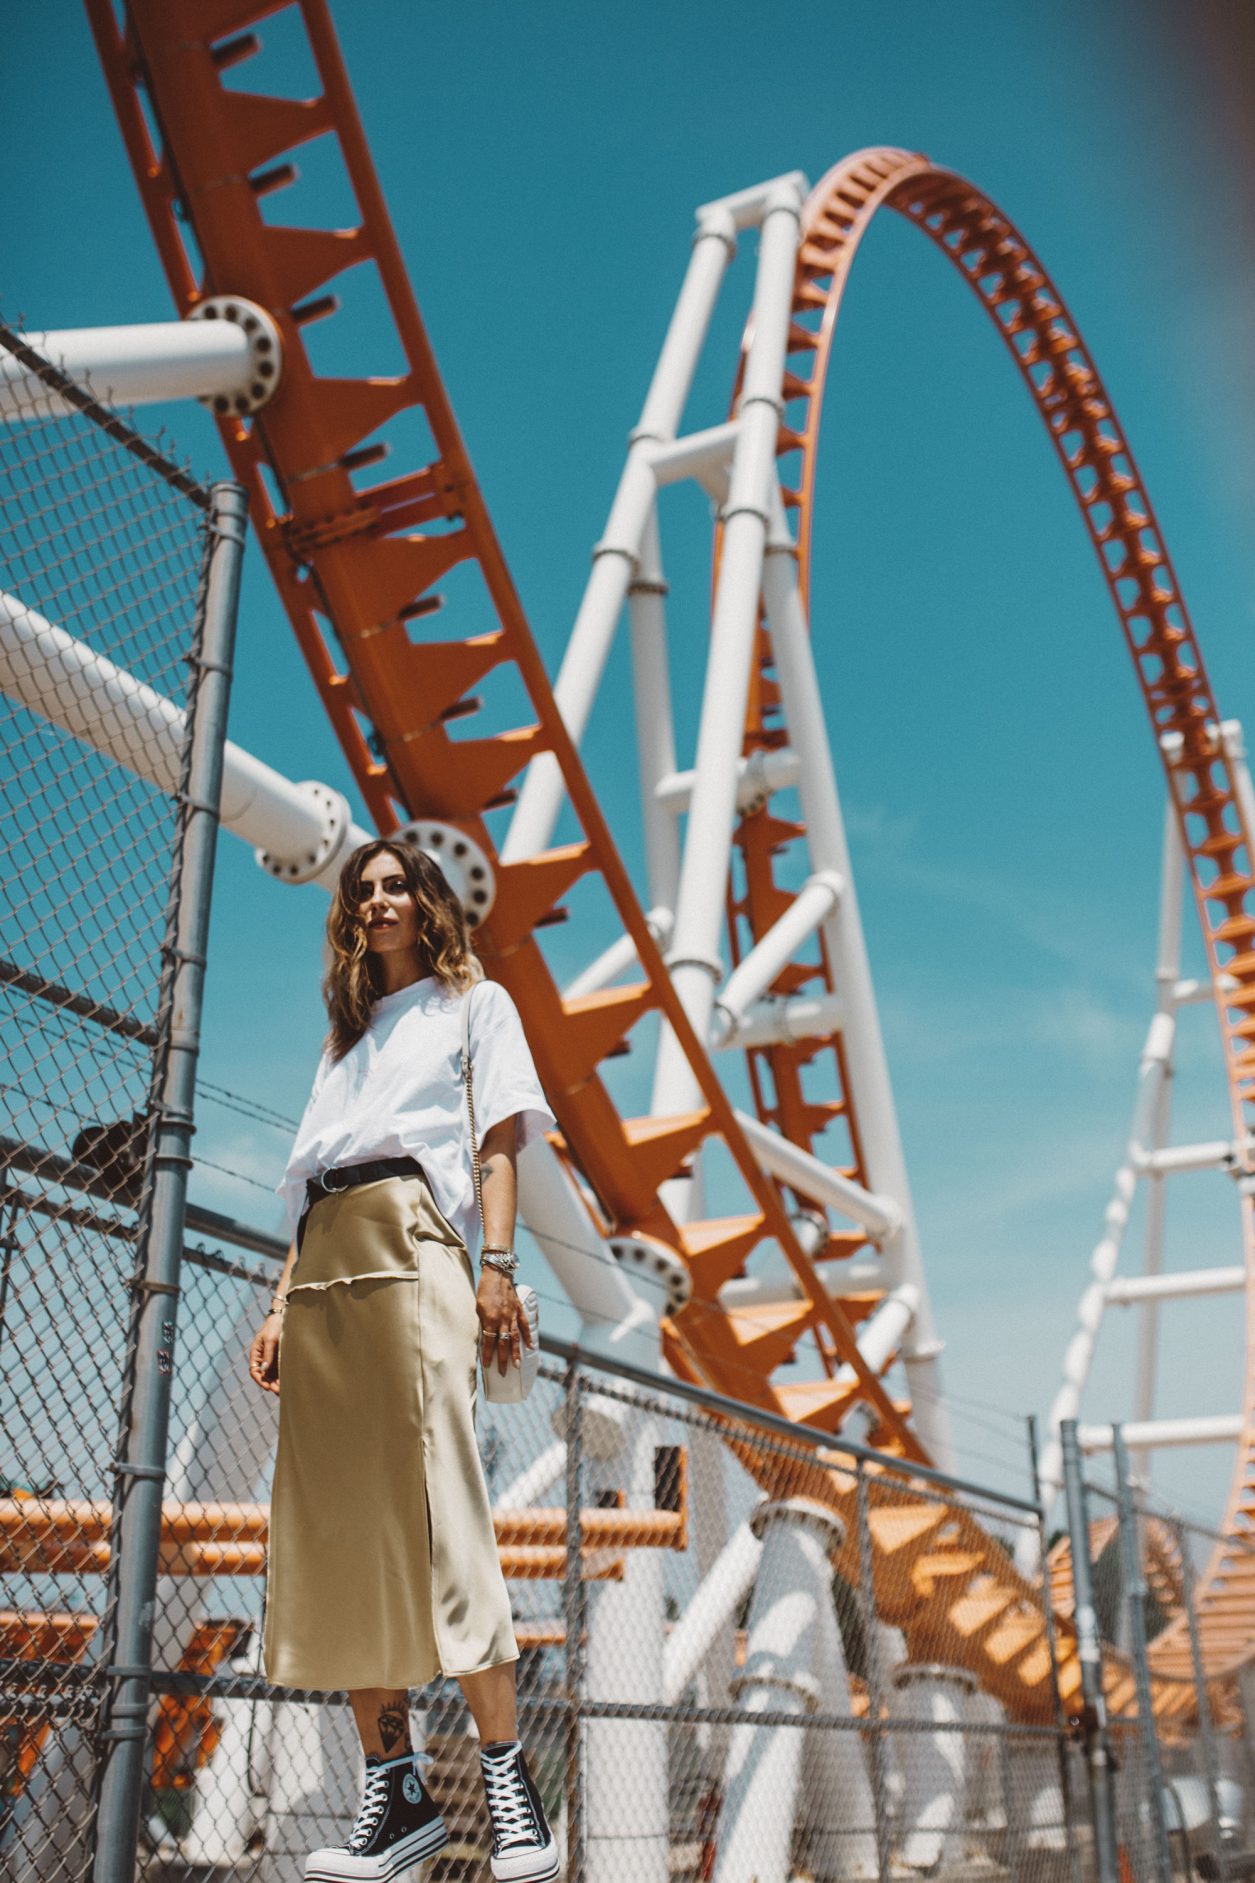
(512, 1386)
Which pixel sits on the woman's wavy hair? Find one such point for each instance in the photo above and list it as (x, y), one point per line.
(351, 987)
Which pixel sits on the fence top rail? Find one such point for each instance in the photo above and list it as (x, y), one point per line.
(117, 428)
(575, 1355)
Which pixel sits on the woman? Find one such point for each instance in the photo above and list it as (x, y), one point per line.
(383, 1568)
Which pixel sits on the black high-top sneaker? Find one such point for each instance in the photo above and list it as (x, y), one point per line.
(397, 1825)
(523, 1850)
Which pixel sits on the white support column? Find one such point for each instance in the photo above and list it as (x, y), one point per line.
(710, 1611)
(616, 555)
(794, 1663)
(626, 1779)
(847, 951)
(934, 1765)
(655, 729)
(1167, 973)
(224, 358)
(695, 961)
(1152, 1071)
(809, 909)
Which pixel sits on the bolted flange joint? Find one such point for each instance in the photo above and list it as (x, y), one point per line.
(660, 1265)
(466, 865)
(265, 352)
(304, 865)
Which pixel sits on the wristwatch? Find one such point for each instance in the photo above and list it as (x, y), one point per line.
(503, 1259)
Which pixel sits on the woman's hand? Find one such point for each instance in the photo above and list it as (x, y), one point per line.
(502, 1320)
(263, 1355)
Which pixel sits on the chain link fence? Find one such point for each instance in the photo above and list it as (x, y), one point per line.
(105, 556)
(1169, 1734)
(712, 1619)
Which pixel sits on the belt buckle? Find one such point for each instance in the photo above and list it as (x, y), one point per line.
(330, 1189)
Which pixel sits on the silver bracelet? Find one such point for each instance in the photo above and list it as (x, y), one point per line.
(504, 1260)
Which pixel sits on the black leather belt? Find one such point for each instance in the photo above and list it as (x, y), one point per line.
(346, 1176)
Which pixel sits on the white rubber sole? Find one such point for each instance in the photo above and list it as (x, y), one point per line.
(339, 1866)
(528, 1866)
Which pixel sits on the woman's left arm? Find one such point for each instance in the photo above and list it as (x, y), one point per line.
(503, 1323)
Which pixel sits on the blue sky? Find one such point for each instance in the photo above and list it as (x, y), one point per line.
(542, 163)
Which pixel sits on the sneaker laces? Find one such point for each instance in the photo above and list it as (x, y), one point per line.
(509, 1807)
(370, 1811)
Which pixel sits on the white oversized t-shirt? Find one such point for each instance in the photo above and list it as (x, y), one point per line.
(399, 1092)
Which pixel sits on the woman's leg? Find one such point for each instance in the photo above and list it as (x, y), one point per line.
(490, 1696)
(383, 1720)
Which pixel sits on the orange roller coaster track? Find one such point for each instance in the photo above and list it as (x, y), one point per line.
(358, 566)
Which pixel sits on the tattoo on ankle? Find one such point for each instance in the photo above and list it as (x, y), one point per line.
(391, 1726)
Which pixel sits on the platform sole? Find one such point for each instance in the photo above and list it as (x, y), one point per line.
(323, 1867)
(544, 1867)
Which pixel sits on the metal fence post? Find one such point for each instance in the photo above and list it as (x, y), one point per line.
(1135, 1607)
(575, 1616)
(875, 1684)
(1089, 1654)
(1206, 1734)
(1052, 1647)
(141, 1470)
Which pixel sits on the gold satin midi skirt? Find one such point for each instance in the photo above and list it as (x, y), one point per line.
(383, 1568)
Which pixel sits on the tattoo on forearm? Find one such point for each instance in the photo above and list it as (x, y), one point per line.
(391, 1726)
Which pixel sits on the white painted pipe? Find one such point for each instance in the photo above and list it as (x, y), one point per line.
(626, 1778)
(934, 1765)
(138, 365)
(862, 1041)
(1036, 1795)
(694, 960)
(764, 772)
(62, 680)
(1156, 1434)
(583, 1266)
(703, 456)
(747, 207)
(228, 1804)
(618, 958)
(790, 1613)
(780, 1020)
(1216, 1154)
(883, 1333)
(985, 1808)
(1126, 1291)
(615, 558)
(859, 1276)
(536, 1481)
(751, 978)
(805, 1173)
(710, 1611)
(655, 728)
(836, 1815)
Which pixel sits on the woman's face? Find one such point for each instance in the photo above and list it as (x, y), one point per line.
(386, 908)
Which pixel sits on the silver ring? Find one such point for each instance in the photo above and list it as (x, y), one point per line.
(331, 1189)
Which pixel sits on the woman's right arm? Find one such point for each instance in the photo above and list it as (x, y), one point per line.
(263, 1355)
